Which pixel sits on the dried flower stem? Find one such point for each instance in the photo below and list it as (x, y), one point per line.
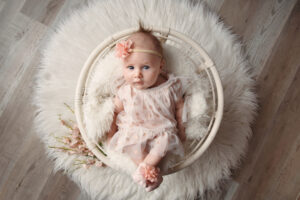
(69, 107)
(63, 148)
(66, 124)
(74, 144)
(79, 162)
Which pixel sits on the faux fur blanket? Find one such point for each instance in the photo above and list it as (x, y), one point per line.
(69, 47)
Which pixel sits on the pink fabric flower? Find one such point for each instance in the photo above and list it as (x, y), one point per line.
(124, 48)
(151, 173)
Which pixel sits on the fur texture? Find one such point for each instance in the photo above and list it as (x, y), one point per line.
(69, 47)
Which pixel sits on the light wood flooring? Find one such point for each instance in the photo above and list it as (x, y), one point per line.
(268, 28)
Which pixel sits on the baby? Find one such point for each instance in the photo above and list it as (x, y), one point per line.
(148, 108)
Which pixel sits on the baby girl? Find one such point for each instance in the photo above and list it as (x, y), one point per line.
(148, 108)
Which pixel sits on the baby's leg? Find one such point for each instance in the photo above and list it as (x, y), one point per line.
(147, 173)
(152, 158)
(135, 154)
(152, 173)
(157, 150)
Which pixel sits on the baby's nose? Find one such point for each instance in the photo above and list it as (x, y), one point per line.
(138, 73)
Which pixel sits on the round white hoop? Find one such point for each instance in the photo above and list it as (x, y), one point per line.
(209, 68)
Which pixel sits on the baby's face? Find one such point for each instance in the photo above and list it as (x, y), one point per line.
(141, 70)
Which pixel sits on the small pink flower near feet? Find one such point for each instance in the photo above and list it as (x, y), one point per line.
(148, 176)
(153, 185)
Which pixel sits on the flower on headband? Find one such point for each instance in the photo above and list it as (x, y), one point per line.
(124, 48)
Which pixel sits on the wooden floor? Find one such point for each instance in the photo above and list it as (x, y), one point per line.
(268, 28)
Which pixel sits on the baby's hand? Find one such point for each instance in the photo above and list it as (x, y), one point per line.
(182, 135)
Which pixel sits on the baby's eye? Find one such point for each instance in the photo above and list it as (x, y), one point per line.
(146, 67)
(130, 67)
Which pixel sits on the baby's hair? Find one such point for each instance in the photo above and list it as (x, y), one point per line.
(154, 39)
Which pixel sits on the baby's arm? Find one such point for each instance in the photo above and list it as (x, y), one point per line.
(118, 108)
(179, 111)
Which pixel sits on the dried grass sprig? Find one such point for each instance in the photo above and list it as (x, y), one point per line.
(73, 143)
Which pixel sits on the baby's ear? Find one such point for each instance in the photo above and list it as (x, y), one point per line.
(162, 63)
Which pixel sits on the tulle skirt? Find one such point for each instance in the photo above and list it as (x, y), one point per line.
(137, 142)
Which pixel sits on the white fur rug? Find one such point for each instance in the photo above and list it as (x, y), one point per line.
(68, 49)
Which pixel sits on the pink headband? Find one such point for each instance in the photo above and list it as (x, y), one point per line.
(124, 48)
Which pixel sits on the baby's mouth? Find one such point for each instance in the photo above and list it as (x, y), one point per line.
(137, 81)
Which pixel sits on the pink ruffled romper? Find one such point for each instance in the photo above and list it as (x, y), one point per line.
(148, 121)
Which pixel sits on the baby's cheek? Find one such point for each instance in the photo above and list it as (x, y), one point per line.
(127, 77)
(153, 77)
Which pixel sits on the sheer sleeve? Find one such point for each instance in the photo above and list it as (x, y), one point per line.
(121, 93)
(177, 90)
(119, 99)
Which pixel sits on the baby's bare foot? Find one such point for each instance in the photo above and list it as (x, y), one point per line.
(148, 176)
